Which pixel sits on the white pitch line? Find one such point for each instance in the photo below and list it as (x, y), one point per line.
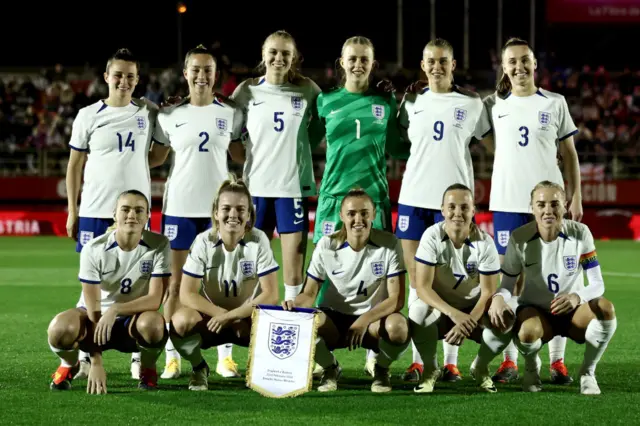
(622, 274)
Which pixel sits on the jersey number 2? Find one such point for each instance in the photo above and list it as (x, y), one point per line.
(204, 135)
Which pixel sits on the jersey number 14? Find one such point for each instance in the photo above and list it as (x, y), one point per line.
(126, 143)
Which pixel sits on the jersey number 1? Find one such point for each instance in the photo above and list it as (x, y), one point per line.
(357, 129)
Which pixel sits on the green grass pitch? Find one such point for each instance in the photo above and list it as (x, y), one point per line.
(38, 280)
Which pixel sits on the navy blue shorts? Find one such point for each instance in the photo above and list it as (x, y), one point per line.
(182, 231)
(504, 224)
(287, 215)
(90, 228)
(413, 221)
(121, 339)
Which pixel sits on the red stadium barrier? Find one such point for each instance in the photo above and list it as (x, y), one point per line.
(604, 223)
(594, 193)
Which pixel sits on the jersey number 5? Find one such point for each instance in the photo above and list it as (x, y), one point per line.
(129, 143)
(279, 121)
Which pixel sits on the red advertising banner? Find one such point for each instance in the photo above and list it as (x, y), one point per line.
(604, 223)
(593, 11)
(594, 193)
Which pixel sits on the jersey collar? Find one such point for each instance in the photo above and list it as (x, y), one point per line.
(467, 241)
(114, 244)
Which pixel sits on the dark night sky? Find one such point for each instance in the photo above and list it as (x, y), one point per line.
(41, 35)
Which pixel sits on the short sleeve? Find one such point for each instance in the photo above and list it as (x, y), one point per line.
(316, 268)
(89, 270)
(80, 133)
(395, 262)
(160, 135)
(238, 123)
(588, 256)
(266, 262)
(566, 126)
(512, 265)
(162, 260)
(427, 252)
(489, 260)
(197, 258)
(403, 115)
(242, 95)
(488, 103)
(483, 125)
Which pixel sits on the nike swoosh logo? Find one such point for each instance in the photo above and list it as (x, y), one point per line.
(336, 272)
(181, 124)
(417, 112)
(295, 222)
(526, 265)
(334, 112)
(213, 267)
(500, 116)
(109, 272)
(258, 103)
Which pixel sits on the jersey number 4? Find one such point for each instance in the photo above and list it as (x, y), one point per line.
(362, 290)
(128, 143)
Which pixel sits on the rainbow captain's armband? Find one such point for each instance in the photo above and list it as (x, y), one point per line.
(589, 260)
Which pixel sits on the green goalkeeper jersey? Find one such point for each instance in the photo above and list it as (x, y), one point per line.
(360, 128)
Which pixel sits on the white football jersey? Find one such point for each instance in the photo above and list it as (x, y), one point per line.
(278, 155)
(440, 127)
(200, 137)
(358, 279)
(230, 279)
(118, 141)
(550, 269)
(526, 132)
(123, 275)
(458, 270)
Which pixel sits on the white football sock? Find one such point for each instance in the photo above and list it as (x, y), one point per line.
(529, 352)
(371, 354)
(415, 356)
(189, 348)
(491, 345)
(324, 357)
(84, 356)
(597, 336)
(169, 348)
(224, 351)
(68, 357)
(557, 346)
(450, 353)
(511, 353)
(135, 357)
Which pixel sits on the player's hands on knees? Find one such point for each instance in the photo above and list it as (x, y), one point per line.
(102, 333)
(565, 303)
(356, 333)
(500, 314)
(455, 336)
(97, 380)
(416, 86)
(288, 305)
(217, 323)
(72, 225)
(466, 322)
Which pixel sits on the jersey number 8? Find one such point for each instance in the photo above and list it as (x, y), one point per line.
(125, 286)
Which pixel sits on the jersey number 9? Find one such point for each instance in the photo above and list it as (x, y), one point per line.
(438, 128)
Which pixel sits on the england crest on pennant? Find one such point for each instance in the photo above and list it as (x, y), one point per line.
(570, 263)
(283, 339)
(544, 118)
(378, 111)
(377, 268)
(296, 102)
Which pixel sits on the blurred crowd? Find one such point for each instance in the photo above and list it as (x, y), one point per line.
(37, 111)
